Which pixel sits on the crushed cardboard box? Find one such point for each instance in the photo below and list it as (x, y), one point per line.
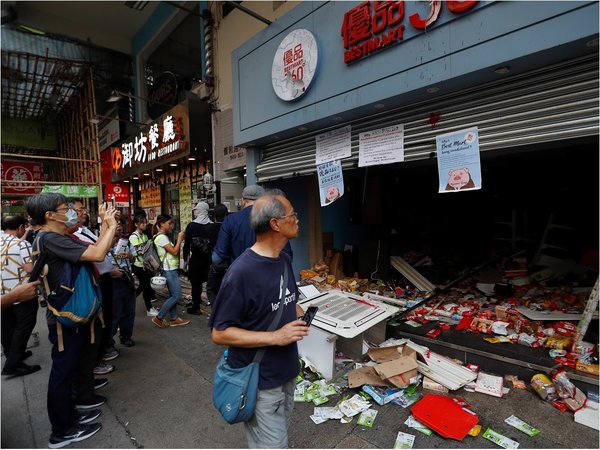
(396, 366)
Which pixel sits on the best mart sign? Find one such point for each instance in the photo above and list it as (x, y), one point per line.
(372, 26)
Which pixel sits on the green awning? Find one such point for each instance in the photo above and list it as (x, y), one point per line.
(72, 190)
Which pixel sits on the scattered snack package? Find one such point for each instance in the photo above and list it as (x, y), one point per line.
(522, 426)
(367, 418)
(404, 440)
(499, 439)
(411, 422)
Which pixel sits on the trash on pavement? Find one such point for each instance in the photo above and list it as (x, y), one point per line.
(444, 416)
(411, 422)
(499, 439)
(489, 384)
(404, 440)
(522, 426)
(367, 418)
(382, 395)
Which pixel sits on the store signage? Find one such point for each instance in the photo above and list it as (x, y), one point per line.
(161, 140)
(294, 65)
(150, 197)
(16, 174)
(72, 190)
(162, 94)
(372, 26)
(118, 191)
(234, 157)
(29, 133)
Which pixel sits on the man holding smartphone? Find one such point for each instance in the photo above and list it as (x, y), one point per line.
(245, 307)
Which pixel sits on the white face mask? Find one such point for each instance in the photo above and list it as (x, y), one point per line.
(72, 218)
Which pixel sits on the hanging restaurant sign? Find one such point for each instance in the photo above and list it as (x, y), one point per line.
(294, 65)
(372, 26)
(162, 140)
(72, 190)
(15, 177)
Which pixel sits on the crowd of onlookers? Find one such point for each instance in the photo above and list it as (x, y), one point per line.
(55, 251)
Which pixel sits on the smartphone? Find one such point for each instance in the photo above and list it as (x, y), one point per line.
(112, 202)
(310, 314)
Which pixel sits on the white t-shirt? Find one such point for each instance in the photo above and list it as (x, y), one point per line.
(170, 262)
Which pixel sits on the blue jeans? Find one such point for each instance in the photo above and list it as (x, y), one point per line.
(170, 304)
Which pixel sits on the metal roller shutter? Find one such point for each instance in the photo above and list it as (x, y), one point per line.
(550, 104)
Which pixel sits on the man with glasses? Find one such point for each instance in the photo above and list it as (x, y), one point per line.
(246, 305)
(53, 214)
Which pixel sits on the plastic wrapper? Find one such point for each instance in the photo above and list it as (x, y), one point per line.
(564, 387)
(543, 386)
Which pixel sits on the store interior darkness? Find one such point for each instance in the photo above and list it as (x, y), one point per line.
(401, 212)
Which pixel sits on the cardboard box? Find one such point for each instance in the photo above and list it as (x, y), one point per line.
(365, 375)
(397, 365)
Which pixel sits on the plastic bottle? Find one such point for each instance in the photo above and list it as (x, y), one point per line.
(543, 386)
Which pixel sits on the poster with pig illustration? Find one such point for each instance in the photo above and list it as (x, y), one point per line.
(459, 163)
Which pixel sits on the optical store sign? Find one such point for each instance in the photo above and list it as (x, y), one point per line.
(163, 138)
(372, 26)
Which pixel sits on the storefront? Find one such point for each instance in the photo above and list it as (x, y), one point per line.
(370, 87)
(166, 163)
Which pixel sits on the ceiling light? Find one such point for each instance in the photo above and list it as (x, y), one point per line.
(146, 174)
(502, 70)
(159, 170)
(302, 128)
(173, 164)
(136, 178)
(336, 118)
(191, 158)
(432, 89)
(592, 43)
(378, 105)
(125, 181)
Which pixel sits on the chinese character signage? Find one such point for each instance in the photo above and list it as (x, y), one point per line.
(185, 202)
(331, 182)
(459, 165)
(150, 197)
(16, 174)
(118, 191)
(72, 190)
(294, 65)
(161, 140)
(372, 26)
(234, 157)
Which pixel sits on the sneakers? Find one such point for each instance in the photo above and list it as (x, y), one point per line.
(103, 369)
(94, 401)
(100, 382)
(77, 433)
(178, 322)
(152, 312)
(88, 416)
(110, 354)
(160, 323)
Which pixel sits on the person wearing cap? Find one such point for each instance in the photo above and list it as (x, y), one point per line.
(197, 260)
(236, 235)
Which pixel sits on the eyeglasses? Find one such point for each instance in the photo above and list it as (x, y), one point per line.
(62, 209)
(294, 215)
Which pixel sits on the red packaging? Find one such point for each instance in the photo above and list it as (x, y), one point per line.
(565, 328)
(559, 404)
(563, 361)
(433, 334)
(444, 326)
(473, 367)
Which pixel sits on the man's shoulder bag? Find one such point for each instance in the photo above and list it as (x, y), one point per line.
(235, 390)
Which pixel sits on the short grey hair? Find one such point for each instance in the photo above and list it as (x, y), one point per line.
(269, 208)
(38, 205)
(275, 191)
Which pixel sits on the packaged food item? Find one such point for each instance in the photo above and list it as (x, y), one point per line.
(587, 368)
(404, 440)
(522, 426)
(543, 386)
(564, 387)
(558, 342)
(499, 439)
(475, 430)
(367, 418)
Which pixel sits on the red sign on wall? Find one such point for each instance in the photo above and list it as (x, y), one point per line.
(120, 191)
(16, 174)
(371, 26)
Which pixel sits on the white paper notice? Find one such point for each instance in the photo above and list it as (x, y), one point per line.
(459, 165)
(382, 146)
(333, 145)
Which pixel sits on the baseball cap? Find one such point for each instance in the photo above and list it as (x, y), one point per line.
(252, 192)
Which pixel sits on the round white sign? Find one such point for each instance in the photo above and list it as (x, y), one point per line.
(294, 65)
